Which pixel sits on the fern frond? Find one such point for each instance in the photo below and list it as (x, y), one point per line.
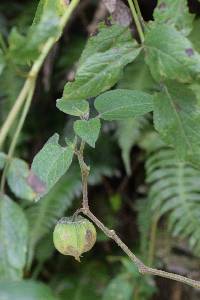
(175, 190)
(144, 219)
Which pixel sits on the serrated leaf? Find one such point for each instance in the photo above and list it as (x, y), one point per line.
(23, 49)
(2, 160)
(122, 104)
(137, 76)
(25, 290)
(106, 39)
(101, 65)
(17, 178)
(170, 55)
(177, 119)
(13, 239)
(73, 107)
(175, 13)
(88, 131)
(119, 288)
(51, 162)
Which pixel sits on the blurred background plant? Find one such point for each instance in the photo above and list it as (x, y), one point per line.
(137, 185)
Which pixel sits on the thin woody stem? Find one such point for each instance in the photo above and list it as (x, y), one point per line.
(142, 268)
(85, 170)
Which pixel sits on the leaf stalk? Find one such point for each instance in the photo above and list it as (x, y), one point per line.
(136, 20)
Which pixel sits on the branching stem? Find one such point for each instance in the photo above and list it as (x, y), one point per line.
(33, 75)
(142, 268)
(17, 133)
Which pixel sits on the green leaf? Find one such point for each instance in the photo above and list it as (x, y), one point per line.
(119, 288)
(25, 290)
(2, 61)
(13, 240)
(175, 13)
(122, 104)
(17, 178)
(137, 76)
(170, 55)
(51, 162)
(177, 119)
(101, 65)
(24, 49)
(2, 160)
(88, 131)
(194, 36)
(73, 107)
(58, 7)
(108, 37)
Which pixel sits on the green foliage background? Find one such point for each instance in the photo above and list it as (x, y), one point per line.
(144, 108)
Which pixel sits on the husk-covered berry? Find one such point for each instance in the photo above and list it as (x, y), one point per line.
(74, 237)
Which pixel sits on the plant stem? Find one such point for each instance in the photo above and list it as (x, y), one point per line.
(138, 11)
(33, 74)
(16, 135)
(137, 22)
(14, 111)
(84, 174)
(142, 268)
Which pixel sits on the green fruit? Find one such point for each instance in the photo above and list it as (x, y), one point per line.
(74, 237)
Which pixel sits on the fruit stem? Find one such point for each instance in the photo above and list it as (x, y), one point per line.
(142, 268)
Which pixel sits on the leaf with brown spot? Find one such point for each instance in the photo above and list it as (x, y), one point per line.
(174, 13)
(37, 185)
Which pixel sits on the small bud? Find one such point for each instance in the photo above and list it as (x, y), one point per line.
(74, 237)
